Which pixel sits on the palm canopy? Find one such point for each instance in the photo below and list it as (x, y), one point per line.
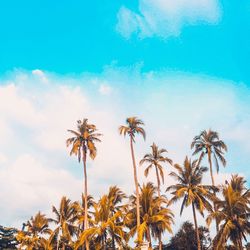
(189, 187)
(134, 126)
(84, 140)
(65, 218)
(154, 213)
(208, 142)
(233, 213)
(106, 221)
(37, 228)
(155, 159)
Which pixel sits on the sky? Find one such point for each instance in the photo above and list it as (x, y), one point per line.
(181, 67)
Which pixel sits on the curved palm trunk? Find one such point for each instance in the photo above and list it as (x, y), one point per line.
(196, 228)
(85, 197)
(136, 189)
(158, 181)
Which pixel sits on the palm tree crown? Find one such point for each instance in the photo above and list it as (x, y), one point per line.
(232, 214)
(208, 142)
(84, 140)
(133, 127)
(155, 159)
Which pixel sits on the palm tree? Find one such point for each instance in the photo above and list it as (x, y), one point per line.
(155, 159)
(83, 142)
(153, 212)
(37, 227)
(189, 177)
(134, 126)
(233, 213)
(208, 142)
(106, 223)
(65, 219)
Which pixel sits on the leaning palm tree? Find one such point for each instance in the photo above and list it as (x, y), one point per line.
(233, 213)
(153, 212)
(83, 142)
(208, 142)
(189, 187)
(155, 159)
(65, 218)
(134, 126)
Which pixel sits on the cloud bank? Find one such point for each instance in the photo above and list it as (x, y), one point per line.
(165, 18)
(38, 107)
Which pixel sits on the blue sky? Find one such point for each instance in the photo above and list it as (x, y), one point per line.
(181, 66)
(79, 36)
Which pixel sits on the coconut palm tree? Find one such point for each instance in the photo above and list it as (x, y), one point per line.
(83, 142)
(37, 228)
(233, 213)
(133, 127)
(208, 142)
(153, 212)
(65, 220)
(155, 159)
(189, 187)
(106, 223)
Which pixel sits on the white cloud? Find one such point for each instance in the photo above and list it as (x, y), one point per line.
(105, 89)
(166, 18)
(39, 73)
(35, 118)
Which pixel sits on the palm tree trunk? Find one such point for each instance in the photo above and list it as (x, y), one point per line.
(136, 188)
(240, 244)
(196, 228)
(149, 238)
(160, 243)
(85, 197)
(213, 183)
(113, 242)
(210, 166)
(158, 181)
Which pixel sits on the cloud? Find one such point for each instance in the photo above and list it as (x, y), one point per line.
(35, 166)
(165, 18)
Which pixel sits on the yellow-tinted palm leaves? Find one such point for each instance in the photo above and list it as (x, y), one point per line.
(208, 142)
(155, 159)
(133, 127)
(65, 218)
(233, 213)
(37, 228)
(106, 222)
(190, 189)
(153, 212)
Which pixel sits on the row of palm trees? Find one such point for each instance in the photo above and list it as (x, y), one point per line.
(111, 221)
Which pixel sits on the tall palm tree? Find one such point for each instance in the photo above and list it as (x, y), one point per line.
(153, 212)
(208, 142)
(155, 159)
(83, 142)
(37, 228)
(189, 187)
(65, 220)
(133, 127)
(233, 213)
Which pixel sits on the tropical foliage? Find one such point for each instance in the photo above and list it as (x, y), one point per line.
(116, 220)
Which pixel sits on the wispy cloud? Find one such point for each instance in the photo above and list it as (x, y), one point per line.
(166, 18)
(35, 166)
